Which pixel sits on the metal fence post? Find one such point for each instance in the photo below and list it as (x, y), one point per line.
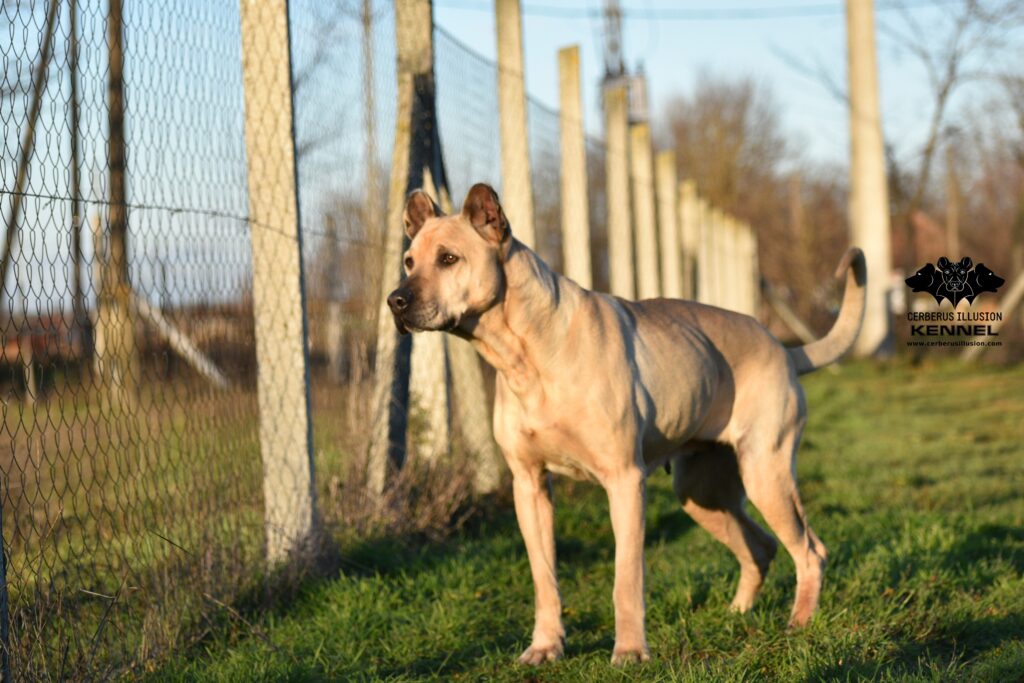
(278, 297)
(620, 228)
(575, 210)
(516, 190)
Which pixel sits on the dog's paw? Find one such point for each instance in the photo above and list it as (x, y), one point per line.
(622, 656)
(536, 655)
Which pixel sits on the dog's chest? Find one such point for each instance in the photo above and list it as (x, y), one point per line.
(559, 449)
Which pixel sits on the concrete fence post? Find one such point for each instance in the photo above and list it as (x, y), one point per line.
(516, 190)
(443, 370)
(471, 406)
(742, 269)
(724, 270)
(753, 274)
(620, 229)
(575, 208)
(413, 36)
(705, 254)
(722, 275)
(689, 236)
(733, 270)
(429, 385)
(278, 297)
(668, 224)
(869, 192)
(122, 369)
(647, 277)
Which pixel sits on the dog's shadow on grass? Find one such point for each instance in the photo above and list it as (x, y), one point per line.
(977, 640)
(966, 640)
(990, 541)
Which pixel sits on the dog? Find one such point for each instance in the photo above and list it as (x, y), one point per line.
(600, 388)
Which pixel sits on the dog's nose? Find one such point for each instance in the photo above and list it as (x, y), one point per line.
(399, 300)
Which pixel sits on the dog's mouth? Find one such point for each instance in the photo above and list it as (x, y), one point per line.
(955, 285)
(407, 326)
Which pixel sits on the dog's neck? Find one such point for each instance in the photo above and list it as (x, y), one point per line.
(522, 333)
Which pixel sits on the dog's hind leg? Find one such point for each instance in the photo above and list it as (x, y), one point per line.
(709, 487)
(768, 471)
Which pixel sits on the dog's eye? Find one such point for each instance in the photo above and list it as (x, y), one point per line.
(448, 259)
(408, 262)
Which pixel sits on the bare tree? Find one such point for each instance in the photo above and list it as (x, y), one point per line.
(1013, 85)
(729, 140)
(949, 51)
(39, 80)
(954, 50)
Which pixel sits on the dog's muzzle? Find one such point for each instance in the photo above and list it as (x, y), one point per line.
(399, 302)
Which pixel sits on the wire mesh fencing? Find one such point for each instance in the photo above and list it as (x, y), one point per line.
(132, 486)
(131, 501)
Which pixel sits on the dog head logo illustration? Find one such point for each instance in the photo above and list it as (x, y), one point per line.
(954, 280)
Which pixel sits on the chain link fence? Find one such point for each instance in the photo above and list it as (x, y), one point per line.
(131, 483)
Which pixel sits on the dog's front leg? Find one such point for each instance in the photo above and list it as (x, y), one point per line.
(626, 502)
(536, 517)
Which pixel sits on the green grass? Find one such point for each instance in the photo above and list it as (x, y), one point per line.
(911, 475)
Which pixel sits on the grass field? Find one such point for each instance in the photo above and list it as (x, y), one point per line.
(912, 476)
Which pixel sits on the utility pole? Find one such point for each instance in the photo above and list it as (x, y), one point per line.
(614, 65)
(869, 201)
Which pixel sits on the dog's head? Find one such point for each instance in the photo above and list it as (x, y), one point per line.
(453, 266)
(926, 279)
(986, 279)
(954, 274)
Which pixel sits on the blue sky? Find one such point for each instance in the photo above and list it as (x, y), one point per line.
(730, 38)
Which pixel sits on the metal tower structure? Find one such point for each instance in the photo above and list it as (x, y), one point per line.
(615, 72)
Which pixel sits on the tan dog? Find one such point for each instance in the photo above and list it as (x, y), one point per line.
(604, 389)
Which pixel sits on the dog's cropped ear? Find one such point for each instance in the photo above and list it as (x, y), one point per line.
(943, 262)
(483, 210)
(966, 263)
(418, 208)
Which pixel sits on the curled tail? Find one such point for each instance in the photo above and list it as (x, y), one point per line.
(840, 338)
